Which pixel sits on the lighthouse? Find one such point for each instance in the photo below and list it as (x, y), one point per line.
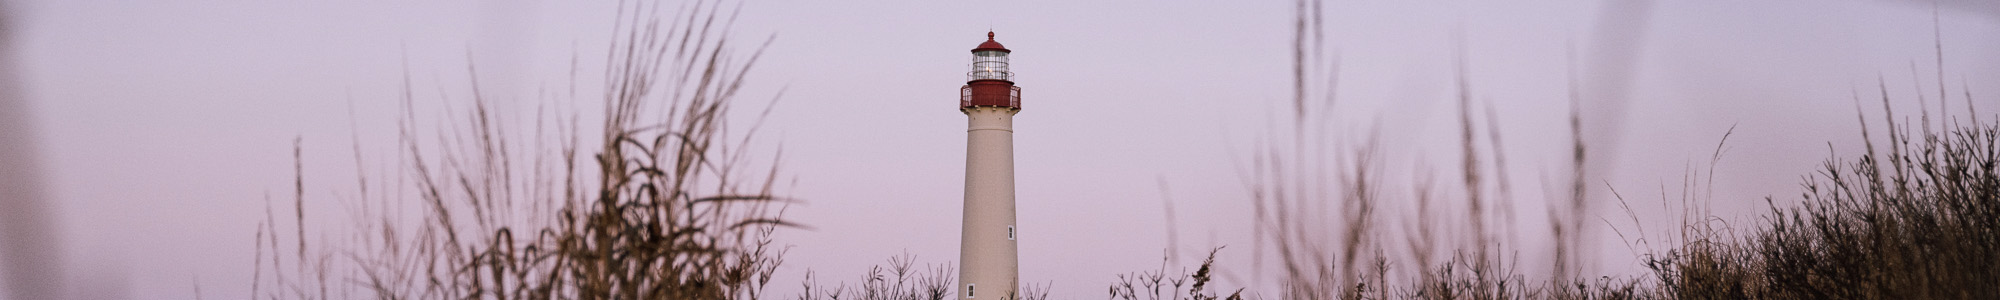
(989, 265)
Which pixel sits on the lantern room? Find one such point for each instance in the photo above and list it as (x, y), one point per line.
(989, 61)
(989, 83)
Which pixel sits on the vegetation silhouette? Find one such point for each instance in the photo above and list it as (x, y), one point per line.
(667, 206)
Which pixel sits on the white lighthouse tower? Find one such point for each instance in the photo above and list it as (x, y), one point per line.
(989, 265)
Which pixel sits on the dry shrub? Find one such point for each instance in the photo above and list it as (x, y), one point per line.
(900, 279)
(1163, 285)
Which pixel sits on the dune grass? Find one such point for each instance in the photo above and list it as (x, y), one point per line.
(1921, 221)
(662, 207)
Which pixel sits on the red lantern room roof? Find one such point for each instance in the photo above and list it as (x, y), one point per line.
(991, 45)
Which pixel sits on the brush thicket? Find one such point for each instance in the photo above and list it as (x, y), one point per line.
(899, 279)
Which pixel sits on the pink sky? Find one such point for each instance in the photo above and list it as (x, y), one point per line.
(163, 126)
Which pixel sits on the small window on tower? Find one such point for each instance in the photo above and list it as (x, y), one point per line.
(1010, 232)
(968, 291)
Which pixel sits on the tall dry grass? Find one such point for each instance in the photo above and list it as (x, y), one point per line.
(1920, 221)
(663, 206)
(32, 266)
(1319, 199)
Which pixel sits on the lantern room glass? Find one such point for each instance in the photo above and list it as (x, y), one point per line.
(991, 64)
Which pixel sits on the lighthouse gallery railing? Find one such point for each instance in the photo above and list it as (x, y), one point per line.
(965, 98)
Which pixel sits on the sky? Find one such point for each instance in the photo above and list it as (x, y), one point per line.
(164, 129)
